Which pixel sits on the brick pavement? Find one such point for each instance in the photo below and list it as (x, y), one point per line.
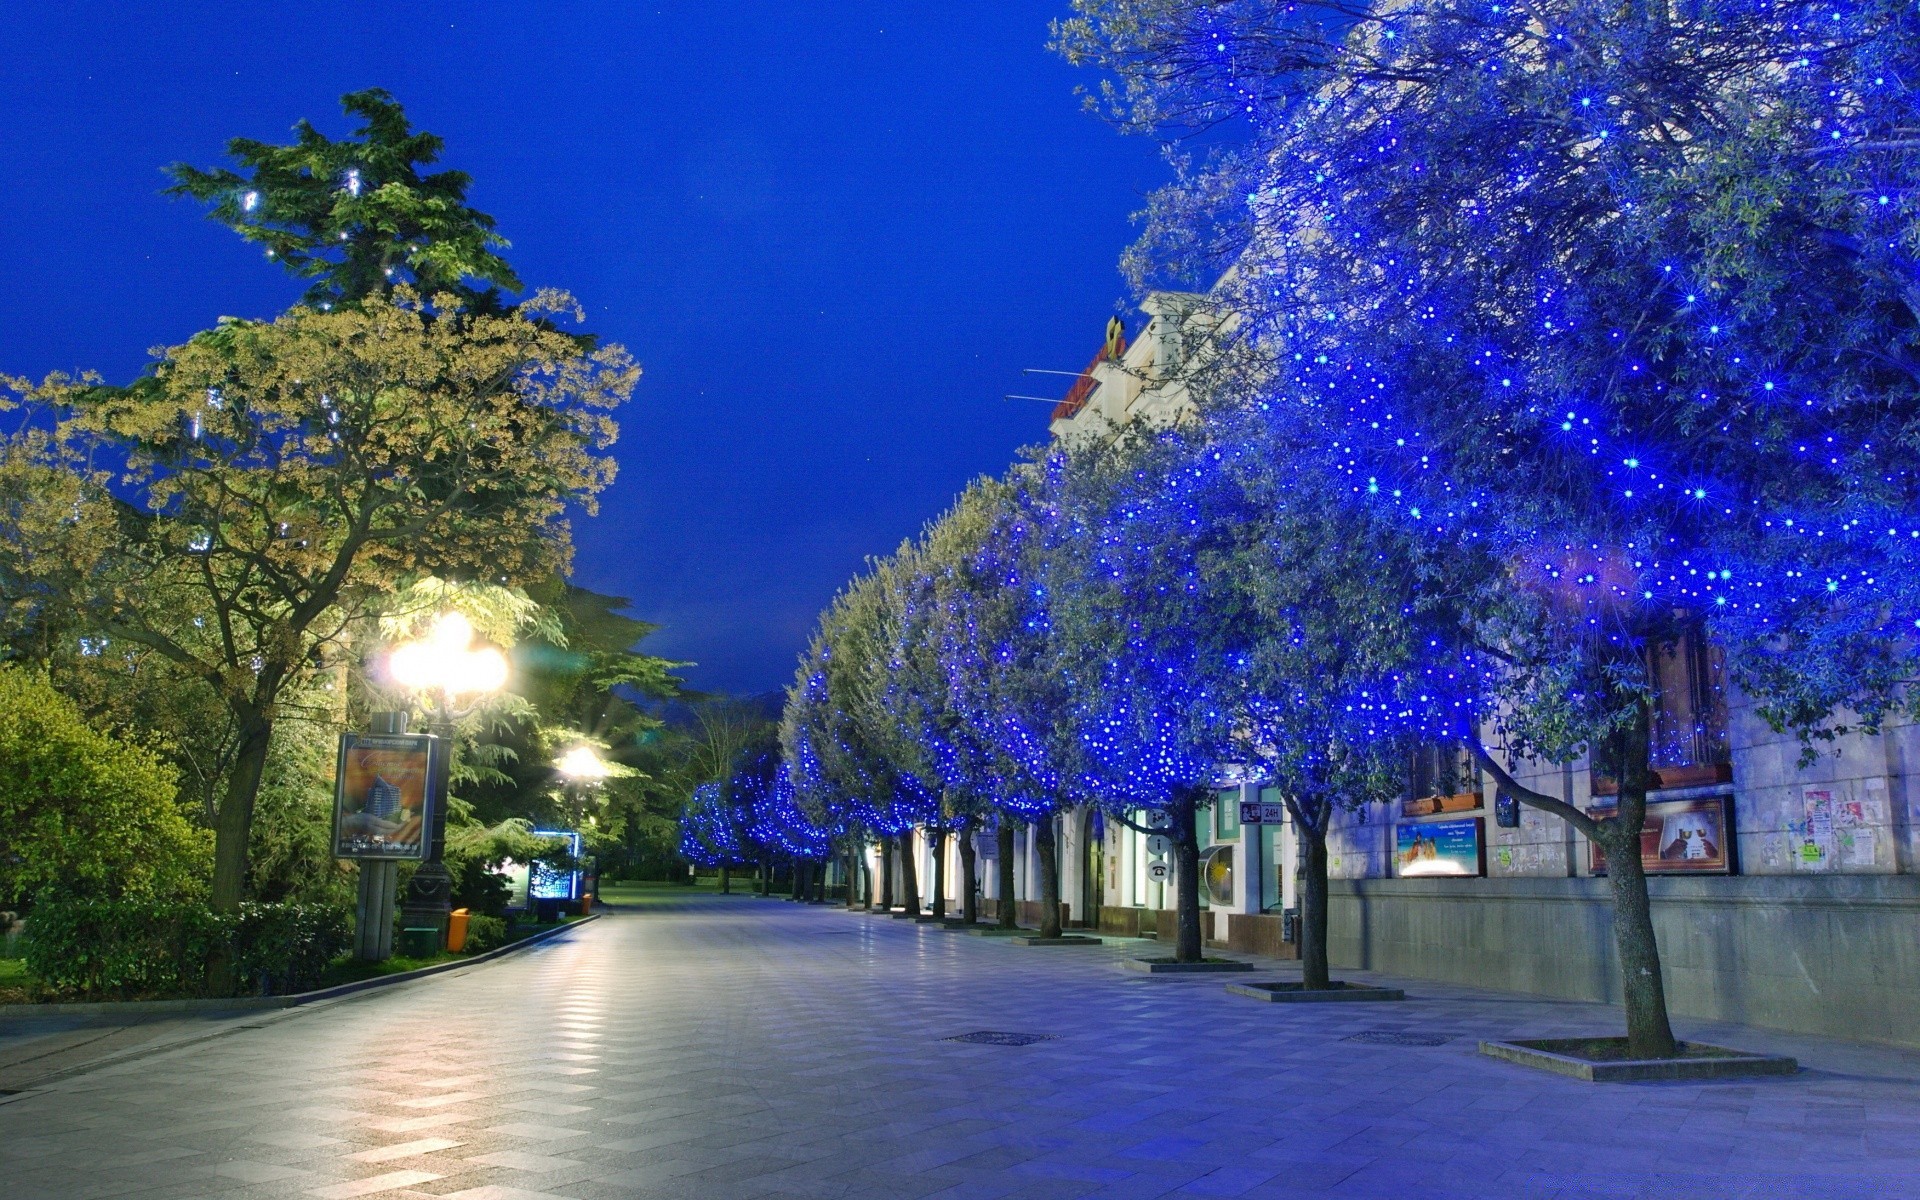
(730, 1047)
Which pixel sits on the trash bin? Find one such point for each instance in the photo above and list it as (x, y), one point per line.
(456, 931)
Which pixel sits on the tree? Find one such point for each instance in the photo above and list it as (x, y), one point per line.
(85, 812)
(272, 480)
(1004, 660)
(357, 217)
(1618, 297)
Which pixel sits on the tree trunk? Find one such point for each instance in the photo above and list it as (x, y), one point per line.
(886, 874)
(233, 824)
(1187, 944)
(766, 876)
(1003, 847)
(969, 895)
(939, 905)
(797, 882)
(726, 880)
(1649, 1034)
(850, 855)
(1313, 905)
(909, 884)
(1046, 846)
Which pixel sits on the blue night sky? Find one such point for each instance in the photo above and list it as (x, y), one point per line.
(833, 234)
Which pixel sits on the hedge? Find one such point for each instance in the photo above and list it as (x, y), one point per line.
(126, 949)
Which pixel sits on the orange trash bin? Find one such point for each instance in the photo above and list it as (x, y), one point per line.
(457, 930)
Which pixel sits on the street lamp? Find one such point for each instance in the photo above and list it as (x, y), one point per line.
(449, 675)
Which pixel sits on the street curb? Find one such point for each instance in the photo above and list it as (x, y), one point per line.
(1293, 993)
(1167, 966)
(251, 1003)
(1735, 1065)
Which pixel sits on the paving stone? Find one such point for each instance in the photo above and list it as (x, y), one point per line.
(725, 1049)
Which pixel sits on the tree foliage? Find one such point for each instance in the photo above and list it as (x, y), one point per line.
(85, 812)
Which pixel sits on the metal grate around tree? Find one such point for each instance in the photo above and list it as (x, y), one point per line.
(987, 1037)
(1395, 1037)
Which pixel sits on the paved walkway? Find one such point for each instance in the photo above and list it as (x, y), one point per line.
(729, 1047)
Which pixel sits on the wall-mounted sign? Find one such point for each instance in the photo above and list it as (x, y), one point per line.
(1262, 812)
(380, 792)
(1681, 837)
(1159, 845)
(1159, 870)
(1439, 848)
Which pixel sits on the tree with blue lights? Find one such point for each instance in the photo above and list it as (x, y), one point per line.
(1620, 298)
(1001, 656)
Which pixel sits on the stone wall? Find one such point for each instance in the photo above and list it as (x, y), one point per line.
(1833, 954)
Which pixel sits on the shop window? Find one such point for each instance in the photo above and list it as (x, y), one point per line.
(1226, 814)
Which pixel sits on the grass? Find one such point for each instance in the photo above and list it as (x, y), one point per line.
(651, 892)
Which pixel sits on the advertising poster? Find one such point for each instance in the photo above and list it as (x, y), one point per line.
(380, 795)
(548, 882)
(1681, 837)
(1438, 848)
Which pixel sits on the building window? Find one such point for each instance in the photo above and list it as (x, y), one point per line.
(1690, 746)
(1444, 778)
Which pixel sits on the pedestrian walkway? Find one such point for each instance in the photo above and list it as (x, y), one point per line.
(732, 1047)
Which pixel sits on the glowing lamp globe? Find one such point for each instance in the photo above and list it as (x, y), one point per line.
(582, 764)
(446, 661)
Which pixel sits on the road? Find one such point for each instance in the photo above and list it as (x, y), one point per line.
(732, 1047)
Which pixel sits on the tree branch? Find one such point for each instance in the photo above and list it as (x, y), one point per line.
(1526, 795)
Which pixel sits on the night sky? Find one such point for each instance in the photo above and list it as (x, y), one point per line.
(833, 234)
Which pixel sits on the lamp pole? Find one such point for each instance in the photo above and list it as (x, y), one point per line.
(441, 669)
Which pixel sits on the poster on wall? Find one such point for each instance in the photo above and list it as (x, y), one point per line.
(1438, 848)
(380, 795)
(1681, 837)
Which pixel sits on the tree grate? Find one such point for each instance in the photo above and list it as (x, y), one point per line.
(988, 1037)
(1393, 1037)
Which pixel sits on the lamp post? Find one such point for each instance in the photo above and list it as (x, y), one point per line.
(582, 768)
(449, 675)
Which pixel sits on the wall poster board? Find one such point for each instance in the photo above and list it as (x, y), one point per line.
(1681, 837)
(1439, 848)
(380, 795)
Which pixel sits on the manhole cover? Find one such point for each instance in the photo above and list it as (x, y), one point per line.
(990, 1038)
(1393, 1037)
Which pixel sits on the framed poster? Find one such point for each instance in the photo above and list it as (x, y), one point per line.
(1681, 837)
(380, 795)
(1443, 848)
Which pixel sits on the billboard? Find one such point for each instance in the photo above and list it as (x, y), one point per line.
(1681, 837)
(546, 882)
(380, 795)
(1438, 848)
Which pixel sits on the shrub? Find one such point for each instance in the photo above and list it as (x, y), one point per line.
(282, 948)
(121, 949)
(485, 933)
(92, 948)
(83, 811)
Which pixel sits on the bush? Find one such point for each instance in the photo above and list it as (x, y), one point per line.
(283, 948)
(83, 811)
(485, 933)
(127, 949)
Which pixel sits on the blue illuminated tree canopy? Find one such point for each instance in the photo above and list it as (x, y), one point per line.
(1622, 297)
